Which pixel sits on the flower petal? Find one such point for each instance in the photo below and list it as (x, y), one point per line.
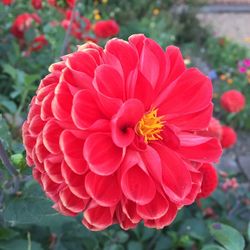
(104, 190)
(196, 97)
(133, 182)
(85, 111)
(177, 181)
(198, 148)
(72, 148)
(154, 209)
(103, 157)
(124, 122)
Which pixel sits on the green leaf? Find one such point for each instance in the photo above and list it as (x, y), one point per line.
(121, 236)
(227, 236)
(27, 210)
(5, 135)
(134, 245)
(7, 68)
(7, 234)
(195, 228)
(212, 247)
(20, 245)
(8, 104)
(164, 243)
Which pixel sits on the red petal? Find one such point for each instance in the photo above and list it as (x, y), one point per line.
(194, 121)
(155, 209)
(72, 148)
(209, 182)
(176, 63)
(198, 148)
(72, 202)
(98, 218)
(51, 134)
(165, 220)
(109, 82)
(124, 122)
(105, 190)
(133, 183)
(62, 102)
(196, 97)
(125, 53)
(85, 111)
(176, 177)
(103, 157)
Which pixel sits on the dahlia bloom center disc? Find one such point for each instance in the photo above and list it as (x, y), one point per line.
(150, 126)
(116, 134)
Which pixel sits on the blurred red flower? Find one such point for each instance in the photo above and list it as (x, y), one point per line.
(80, 24)
(106, 28)
(233, 101)
(111, 133)
(229, 137)
(230, 184)
(214, 129)
(37, 4)
(209, 181)
(7, 2)
(38, 43)
(22, 23)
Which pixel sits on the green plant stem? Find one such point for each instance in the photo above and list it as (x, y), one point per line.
(67, 34)
(10, 168)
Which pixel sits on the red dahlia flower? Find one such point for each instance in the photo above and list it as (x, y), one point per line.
(7, 2)
(233, 101)
(214, 129)
(111, 134)
(37, 4)
(106, 28)
(22, 23)
(229, 137)
(79, 27)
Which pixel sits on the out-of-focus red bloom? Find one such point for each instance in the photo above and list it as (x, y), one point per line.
(106, 28)
(63, 4)
(229, 137)
(80, 24)
(38, 43)
(22, 23)
(110, 133)
(209, 181)
(37, 4)
(7, 2)
(230, 184)
(233, 101)
(214, 129)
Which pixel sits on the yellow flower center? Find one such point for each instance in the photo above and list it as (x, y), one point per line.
(150, 126)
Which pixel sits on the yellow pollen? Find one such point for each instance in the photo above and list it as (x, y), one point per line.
(150, 126)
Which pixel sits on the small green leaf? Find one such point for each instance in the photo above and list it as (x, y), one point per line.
(27, 210)
(163, 243)
(7, 234)
(134, 245)
(121, 236)
(212, 247)
(227, 236)
(20, 245)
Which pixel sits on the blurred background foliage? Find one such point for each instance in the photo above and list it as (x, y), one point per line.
(27, 220)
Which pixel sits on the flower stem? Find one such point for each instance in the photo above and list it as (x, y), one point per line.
(67, 34)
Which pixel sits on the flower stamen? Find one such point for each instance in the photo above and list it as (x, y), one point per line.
(150, 126)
